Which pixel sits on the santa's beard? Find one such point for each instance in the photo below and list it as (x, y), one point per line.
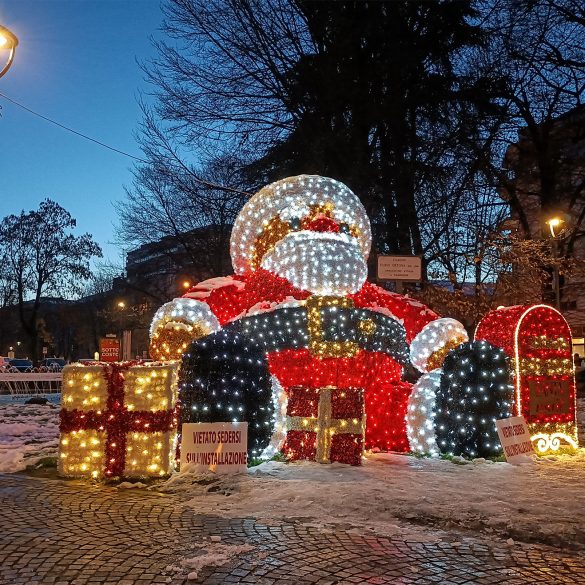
(321, 263)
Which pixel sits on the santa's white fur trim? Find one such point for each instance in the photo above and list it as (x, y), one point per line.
(433, 337)
(321, 263)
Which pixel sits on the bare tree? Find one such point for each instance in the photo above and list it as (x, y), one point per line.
(172, 203)
(539, 49)
(43, 258)
(369, 93)
(412, 104)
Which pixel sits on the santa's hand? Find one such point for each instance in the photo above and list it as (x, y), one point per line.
(176, 324)
(437, 338)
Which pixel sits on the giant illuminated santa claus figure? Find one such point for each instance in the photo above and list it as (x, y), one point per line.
(297, 342)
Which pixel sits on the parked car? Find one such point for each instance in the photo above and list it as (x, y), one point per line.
(21, 365)
(4, 362)
(53, 363)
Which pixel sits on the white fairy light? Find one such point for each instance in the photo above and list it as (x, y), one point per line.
(420, 415)
(434, 336)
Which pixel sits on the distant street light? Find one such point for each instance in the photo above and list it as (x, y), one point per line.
(553, 223)
(556, 225)
(186, 284)
(121, 305)
(8, 42)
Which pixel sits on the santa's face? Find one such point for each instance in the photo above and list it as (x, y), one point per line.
(323, 263)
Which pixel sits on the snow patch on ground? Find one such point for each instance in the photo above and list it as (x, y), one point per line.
(212, 554)
(127, 485)
(541, 501)
(27, 433)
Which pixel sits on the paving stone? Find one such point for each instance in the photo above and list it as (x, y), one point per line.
(57, 532)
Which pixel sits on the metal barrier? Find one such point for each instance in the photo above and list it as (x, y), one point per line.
(28, 384)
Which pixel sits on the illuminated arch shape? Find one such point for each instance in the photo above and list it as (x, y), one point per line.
(538, 340)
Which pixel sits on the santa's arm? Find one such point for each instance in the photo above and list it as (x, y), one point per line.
(203, 309)
(430, 337)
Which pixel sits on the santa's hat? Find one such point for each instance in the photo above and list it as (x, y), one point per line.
(304, 202)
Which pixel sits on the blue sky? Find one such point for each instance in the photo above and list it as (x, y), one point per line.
(76, 63)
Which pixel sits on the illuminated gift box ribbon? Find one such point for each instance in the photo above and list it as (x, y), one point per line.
(324, 427)
(116, 421)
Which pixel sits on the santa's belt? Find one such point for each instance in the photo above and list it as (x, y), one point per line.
(328, 327)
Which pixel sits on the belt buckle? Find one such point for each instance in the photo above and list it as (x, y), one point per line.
(317, 345)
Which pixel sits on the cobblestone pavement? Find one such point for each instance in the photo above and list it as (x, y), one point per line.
(69, 533)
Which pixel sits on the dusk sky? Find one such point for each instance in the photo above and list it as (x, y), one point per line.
(76, 63)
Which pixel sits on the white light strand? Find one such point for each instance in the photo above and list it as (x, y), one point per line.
(322, 263)
(182, 311)
(432, 338)
(420, 415)
(280, 401)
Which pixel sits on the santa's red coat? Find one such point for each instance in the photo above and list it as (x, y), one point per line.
(377, 373)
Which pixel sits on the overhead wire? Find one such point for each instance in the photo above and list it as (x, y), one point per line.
(117, 150)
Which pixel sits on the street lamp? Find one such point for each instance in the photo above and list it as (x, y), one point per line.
(555, 225)
(8, 42)
(121, 305)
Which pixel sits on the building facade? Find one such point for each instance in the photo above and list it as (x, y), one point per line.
(546, 172)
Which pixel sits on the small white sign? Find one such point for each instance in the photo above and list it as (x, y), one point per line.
(515, 439)
(215, 447)
(399, 268)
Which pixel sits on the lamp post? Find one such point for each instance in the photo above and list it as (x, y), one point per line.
(8, 42)
(125, 334)
(555, 225)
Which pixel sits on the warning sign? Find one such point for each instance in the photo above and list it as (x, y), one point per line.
(515, 438)
(109, 349)
(215, 447)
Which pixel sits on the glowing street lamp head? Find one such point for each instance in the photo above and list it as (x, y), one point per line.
(121, 305)
(554, 224)
(8, 39)
(8, 42)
